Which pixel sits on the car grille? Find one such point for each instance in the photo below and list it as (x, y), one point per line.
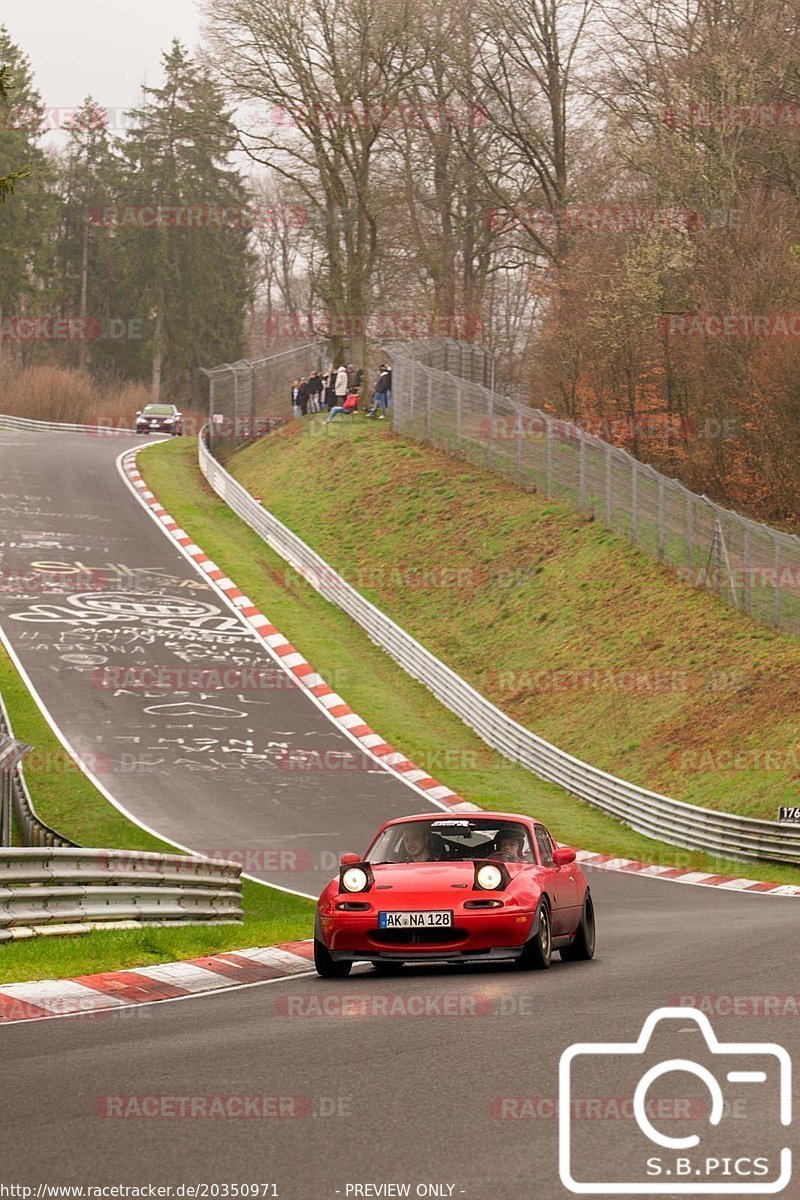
(417, 937)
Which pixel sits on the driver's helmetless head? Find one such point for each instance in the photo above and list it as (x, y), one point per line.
(415, 840)
(510, 841)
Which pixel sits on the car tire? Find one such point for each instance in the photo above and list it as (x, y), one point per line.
(537, 952)
(326, 966)
(581, 949)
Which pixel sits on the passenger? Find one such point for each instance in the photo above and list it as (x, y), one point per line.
(509, 845)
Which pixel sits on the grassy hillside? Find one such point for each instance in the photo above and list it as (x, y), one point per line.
(561, 622)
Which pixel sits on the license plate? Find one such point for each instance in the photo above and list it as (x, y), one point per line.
(414, 920)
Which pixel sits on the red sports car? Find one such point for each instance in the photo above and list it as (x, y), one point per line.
(457, 889)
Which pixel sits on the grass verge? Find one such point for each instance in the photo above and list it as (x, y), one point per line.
(561, 622)
(402, 710)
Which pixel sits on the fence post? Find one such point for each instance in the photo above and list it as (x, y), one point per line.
(235, 403)
(689, 533)
(548, 455)
(609, 509)
(458, 413)
(661, 520)
(746, 570)
(582, 469)
(428, 410)
(519, 448)
(411, 367)
(490, 410)
(777, 583)
(634, 497)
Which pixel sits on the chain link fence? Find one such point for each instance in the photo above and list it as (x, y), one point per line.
(467, 360)
(749, 565)
(247, 399)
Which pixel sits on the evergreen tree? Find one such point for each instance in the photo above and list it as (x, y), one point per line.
(87, 266)
(8, 182)
(28, 216)
(183, 226)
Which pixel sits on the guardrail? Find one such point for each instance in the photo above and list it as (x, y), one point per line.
(33, 426)
(67, 890)
(15, 799)
(647, 812)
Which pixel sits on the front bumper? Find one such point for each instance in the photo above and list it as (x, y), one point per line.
(476, 936)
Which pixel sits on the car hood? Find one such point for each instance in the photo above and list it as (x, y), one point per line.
(407, 878)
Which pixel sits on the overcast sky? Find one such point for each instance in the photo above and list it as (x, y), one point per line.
(106, 48)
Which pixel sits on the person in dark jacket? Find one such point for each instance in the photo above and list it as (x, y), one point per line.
(383, 391)
(303, 396)
(314, 392)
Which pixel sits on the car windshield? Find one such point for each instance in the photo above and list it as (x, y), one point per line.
(158, 410)
(449, 839)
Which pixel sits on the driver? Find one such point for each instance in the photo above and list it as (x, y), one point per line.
(416, 845)
(509, 845)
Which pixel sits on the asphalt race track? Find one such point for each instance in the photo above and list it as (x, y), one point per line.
(431, 1094)
(256, 771)
(433, 1079)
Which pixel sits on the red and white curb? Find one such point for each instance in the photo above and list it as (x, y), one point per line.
(293, 662)
(110, 991)
(730, 883)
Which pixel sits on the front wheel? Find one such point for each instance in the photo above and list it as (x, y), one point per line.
(326, 965)
(538, 952)
(582, 947)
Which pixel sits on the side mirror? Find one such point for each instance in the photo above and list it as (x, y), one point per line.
(347, 860)
(563, 856)
(177, 414)
(139, 413)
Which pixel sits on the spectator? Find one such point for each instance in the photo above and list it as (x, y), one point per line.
(349, 406)
(295, 405)
(329, 395)
(382, 390)
(303, 396)
(314, 392)
(341, 385)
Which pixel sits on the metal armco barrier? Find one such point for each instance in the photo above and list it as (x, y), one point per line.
(68, 890)
(647, 812)
(15, 800)
(32, 426)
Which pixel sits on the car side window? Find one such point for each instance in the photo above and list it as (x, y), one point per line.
(545, 847)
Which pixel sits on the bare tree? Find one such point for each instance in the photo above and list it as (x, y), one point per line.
(318, 79)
